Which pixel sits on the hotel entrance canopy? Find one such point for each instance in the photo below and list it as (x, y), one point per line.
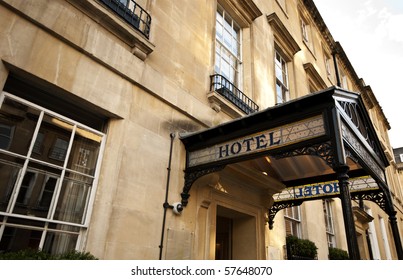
(317, 146)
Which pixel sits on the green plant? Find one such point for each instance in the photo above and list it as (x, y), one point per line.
(337, 254)
(32, 254)
(300, 248)
(26, 254)
(75, 255)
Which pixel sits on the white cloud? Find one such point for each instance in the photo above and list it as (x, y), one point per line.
(371, 34)
(368, 11)
(391, 26)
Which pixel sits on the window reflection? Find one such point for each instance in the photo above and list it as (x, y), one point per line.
(52, 141)
(35, 193)
(73, 199)
(47, 169)
(17, 122)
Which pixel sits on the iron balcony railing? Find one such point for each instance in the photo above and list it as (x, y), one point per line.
(221, 85)
(132, 13)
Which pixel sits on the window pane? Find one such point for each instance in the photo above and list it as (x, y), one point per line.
(279, 91)
(6, 133)
(73, 199)
(52, 140)
(84, 154)
(58, 243)
(225, 70)
(8, 177)
(47, 192)
(59, 150)
(35, 194)
(279, 74)
(15, 238)
(38, 145)
(26, 187)
(18, 122)
(217, 61)
(228, 47)
(227, 39)
(40, 191)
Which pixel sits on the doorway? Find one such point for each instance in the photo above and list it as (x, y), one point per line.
(236, 237)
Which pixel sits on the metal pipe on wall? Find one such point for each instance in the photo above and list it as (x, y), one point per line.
(166, 204)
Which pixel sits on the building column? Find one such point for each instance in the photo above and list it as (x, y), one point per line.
(348, 215)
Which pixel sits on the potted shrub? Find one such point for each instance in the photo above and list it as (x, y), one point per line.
(300, 249)
(338, 254)
(34, 254)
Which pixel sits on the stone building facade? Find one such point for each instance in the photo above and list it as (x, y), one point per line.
(98, 98)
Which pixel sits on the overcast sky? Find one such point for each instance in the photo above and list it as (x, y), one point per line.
(371, 34)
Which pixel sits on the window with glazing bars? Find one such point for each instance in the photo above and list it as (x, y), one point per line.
(281, 71)
(48, 176)
(228, 47)
(292, 217)
(328, 213)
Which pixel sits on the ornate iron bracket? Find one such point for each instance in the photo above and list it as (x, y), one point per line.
(376, 197)
(379, 197)
(322, 150)
(192, 176)
(278, 207)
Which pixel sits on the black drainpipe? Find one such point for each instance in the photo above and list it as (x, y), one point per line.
(166, 204)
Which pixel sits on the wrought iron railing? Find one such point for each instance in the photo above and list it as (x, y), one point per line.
(221, 85)
(132, 13)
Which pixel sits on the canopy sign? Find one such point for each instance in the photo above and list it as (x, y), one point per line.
(260, 142)
(325, 189)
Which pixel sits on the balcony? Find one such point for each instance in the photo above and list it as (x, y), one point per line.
(132, 13)
(222, 91)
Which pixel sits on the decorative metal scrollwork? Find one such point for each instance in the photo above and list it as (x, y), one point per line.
(278, 207)
(192, 176)
(378, 197)
(322, 150)
(354, 113)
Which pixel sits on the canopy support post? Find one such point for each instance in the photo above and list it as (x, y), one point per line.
(348, 215)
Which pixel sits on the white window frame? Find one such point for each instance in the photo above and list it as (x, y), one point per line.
(328, 63)
(385, 238)
(294, 219)
(329, 223)
(224, 52)
(95, 177)
(281, 65)
(372, 235)
(305, 31)
(343, 79)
